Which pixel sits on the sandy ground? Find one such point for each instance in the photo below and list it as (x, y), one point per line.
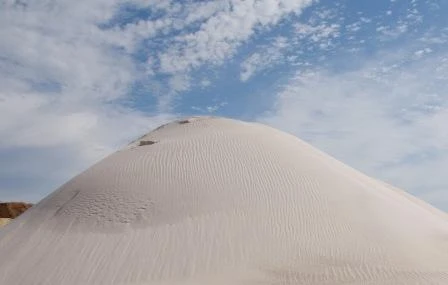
(4, 221)
(217, 201)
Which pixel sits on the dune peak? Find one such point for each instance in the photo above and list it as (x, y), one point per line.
(211, 200)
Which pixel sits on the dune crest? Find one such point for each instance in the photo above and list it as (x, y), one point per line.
(218, 201)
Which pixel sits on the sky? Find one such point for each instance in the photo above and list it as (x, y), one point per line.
(364, 81)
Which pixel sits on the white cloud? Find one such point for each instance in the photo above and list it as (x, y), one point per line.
(421, 52)
(392, 32)
(387, 118)
(219, 35)
(317, 33)
(305, 36)
(187, 36)
(264, 59)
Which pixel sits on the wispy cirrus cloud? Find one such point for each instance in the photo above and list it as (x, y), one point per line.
(220, 35)
(265, 58)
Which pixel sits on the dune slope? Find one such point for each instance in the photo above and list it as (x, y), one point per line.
(217, 201)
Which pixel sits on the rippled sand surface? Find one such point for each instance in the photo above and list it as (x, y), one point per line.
(214, 201)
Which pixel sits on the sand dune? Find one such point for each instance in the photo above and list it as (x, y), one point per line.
(216, 201)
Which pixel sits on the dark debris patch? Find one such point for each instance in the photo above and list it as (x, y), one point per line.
(142, 143)
(184, 122)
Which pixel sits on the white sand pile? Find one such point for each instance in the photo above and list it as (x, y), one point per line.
(212, 201)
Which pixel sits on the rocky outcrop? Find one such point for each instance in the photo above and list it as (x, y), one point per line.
(12, 210)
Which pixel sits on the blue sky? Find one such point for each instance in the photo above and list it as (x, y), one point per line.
(364, 81)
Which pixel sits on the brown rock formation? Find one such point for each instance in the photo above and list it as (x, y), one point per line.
(12, 210)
